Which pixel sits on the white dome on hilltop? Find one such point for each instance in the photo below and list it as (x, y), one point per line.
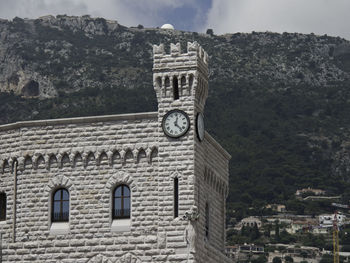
(167, 26)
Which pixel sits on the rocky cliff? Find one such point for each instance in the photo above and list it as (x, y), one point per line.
(278, 102)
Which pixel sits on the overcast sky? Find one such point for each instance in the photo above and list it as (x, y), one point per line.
(223, 16)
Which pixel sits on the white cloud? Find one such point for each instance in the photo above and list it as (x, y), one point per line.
(305, 16)
(36, 8)
(126, 12)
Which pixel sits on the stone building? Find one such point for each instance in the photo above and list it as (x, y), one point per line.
(145, 187)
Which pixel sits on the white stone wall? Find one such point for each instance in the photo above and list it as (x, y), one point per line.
(89, 159)
(90, 156)
(211, 181)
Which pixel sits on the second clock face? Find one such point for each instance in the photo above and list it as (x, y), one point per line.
(175, 123)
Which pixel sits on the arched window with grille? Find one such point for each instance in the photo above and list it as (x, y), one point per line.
(121, 202)
(2, 206)
(60, 206)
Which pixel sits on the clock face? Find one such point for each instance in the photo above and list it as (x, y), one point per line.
(200, 126)
(175, 123)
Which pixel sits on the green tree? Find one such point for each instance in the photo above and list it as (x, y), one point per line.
(277, 231)
(288, 259)
(276, 260)
(326, 259)
(254, 233)
(260, 259)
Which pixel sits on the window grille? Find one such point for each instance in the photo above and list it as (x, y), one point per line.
(60, 206)
(121, 202)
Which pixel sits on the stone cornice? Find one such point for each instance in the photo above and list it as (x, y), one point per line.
(104, 118)
(217, 146)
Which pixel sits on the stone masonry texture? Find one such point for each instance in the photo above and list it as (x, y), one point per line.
(91, 156)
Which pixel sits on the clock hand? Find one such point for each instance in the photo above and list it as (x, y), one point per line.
(175, 122)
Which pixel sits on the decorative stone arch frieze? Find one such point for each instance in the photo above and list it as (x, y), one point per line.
(122, 155)
(38, 160)
(20, 161)
(129, 258)
(102, 154)
(89, 157)
(99, 259)
(52, 160)
(64, 158)
(135, 154)
(77, 156)
(2, 165)
(67, 157)
(153, 154)
(215, 182)
(5, 165)
(128, 154)
(27, 161)
(141, 154)
(115, 156)
(109, 156)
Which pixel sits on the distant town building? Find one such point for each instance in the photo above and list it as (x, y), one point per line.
(310, 190)
(249, 221)
(242, 253)
(298, 253)
(276, 207)
(327, 220)
(231, 251)
(302, 225)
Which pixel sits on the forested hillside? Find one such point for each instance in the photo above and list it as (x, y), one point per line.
(279, 103)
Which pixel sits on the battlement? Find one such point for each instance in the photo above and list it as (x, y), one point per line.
(194, 57)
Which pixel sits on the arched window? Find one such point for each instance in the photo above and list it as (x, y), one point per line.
(176, 88)
(121, 202)
(60, 206)
(167, 82)
(2, 206)
(191, 81)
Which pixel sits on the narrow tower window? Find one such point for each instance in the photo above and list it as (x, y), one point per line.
(60, 206)
(121, 202)
(176, 197)
(2, 206)
(176, 88)
(207, 220)
(183, 81)
(167, 82)
(159, 82)
(183, 85)
(191, 81)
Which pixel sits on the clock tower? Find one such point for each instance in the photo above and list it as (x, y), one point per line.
(144, 187)
(191, 195)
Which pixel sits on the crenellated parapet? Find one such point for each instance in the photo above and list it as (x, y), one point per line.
(195, 56)
(185, 71)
